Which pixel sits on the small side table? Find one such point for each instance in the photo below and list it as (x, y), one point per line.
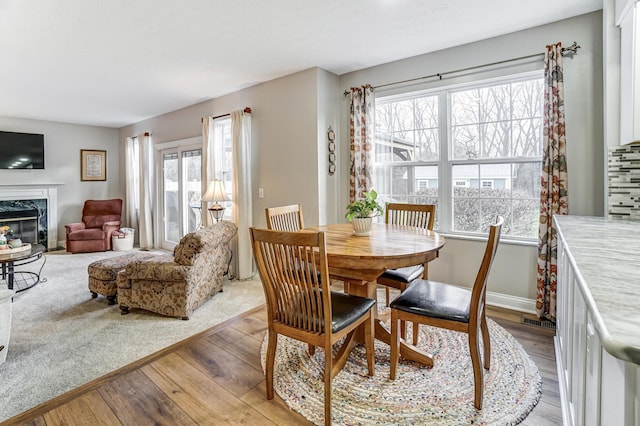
(22, 280)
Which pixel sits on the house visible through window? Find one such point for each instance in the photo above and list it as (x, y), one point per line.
(473, 150)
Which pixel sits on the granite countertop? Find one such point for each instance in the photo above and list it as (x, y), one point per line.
(606, 252)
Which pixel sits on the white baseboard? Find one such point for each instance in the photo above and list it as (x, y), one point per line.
(515, 303)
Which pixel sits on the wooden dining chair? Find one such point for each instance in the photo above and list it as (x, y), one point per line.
(451, 307)
(420, 216)
(285, 218)
(300, 306)
(289, 218)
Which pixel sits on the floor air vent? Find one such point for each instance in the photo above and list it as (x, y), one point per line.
(538, 323)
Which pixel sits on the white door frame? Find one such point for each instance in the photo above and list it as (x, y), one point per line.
(177, 146)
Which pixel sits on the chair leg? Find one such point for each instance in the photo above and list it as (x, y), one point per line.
(328, 366)
(486, 340)
(474, 349)
(369, 342)
(386, 292)
(395, 344)
(271, 357)
(416, 333)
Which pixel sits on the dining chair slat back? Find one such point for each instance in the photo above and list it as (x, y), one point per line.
(285, 218)
(418, 215)
(294, 272)
(451, 307)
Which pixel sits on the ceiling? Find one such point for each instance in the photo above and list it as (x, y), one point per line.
(117, 62)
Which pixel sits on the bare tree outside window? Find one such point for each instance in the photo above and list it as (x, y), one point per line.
(495, 137)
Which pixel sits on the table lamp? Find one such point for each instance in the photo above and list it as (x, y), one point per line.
(216, 193)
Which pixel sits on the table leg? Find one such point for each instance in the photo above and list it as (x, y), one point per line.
(362, 289)
(10, 273)
(407, 351)
(410, 352)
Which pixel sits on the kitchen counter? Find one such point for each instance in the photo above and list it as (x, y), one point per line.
(607, 255)
(597, 340)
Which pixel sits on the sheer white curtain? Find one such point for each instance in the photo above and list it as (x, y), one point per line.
(132, 191)
(242, 211)
(146, 190)
(208, 169)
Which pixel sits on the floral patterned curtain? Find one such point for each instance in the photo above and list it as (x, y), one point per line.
(553, 182)
(361, 141)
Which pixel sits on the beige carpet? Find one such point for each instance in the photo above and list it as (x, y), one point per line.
(62, 338)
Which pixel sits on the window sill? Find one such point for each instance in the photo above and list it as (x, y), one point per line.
(503, 240)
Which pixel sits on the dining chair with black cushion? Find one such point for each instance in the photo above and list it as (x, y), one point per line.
(302, 307)
(285, 218)
(448, 306)
(420, 216)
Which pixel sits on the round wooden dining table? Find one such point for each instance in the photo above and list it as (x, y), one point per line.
(360, 260)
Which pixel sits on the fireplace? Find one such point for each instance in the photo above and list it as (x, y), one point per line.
(26, 220)
(31, 213)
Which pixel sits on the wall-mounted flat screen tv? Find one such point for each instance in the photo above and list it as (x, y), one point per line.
(21, 150)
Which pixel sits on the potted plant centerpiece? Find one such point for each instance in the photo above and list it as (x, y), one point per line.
(361, 212)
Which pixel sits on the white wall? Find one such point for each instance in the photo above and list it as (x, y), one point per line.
(284, 138)
(328, 116)
(514, 271)
(62, 144)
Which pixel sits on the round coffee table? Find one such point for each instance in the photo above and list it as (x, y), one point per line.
(22, 280)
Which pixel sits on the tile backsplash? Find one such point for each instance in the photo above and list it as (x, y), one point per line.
(624, 182)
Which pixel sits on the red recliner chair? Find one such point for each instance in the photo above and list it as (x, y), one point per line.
(99, 219)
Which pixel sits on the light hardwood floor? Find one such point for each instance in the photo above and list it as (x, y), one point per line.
(215, 378)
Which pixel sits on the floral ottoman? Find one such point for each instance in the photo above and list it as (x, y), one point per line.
(103, 274)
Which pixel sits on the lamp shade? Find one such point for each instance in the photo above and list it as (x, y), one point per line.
(215, 192)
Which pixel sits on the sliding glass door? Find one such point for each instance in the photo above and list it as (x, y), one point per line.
(181, 192)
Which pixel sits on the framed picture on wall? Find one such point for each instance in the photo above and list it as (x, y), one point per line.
(93, 165)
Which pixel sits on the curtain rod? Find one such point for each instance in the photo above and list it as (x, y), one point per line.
(247, 110)
(565, 51)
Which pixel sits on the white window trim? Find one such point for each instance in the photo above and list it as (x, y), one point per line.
(445, 163)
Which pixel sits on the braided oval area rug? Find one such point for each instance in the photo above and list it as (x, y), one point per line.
(442, 395)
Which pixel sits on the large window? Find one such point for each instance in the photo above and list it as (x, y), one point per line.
(475, 151)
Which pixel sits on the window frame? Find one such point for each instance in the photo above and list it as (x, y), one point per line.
(224, 149)
(445, 164)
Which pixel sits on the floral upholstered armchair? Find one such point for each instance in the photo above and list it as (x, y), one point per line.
(177, 285)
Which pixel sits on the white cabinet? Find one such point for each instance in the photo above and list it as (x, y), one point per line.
(593, 361)
(571, 341)
(596, 387)
(630, 75)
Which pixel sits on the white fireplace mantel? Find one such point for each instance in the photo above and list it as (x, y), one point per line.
(47, 192)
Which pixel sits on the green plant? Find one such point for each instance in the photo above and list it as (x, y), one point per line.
(366, 207)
